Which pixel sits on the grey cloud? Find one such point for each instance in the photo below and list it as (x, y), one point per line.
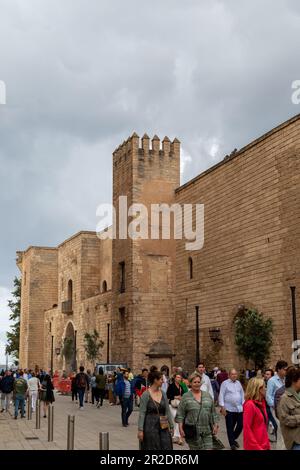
(81, 76)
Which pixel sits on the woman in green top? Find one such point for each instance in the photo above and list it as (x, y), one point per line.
(155, 426)
(197, 408)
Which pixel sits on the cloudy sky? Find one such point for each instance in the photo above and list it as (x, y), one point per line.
(82, 75)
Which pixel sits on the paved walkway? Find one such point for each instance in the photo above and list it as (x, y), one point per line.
(21, 433)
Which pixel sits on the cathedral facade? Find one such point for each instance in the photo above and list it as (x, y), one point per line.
(144, 294)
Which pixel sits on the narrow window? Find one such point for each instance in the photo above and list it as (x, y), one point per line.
(122, 312)
(70, 293)
(191, 268)
(122, 276)
(104, 286)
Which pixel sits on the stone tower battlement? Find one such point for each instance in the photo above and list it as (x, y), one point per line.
(161, 158)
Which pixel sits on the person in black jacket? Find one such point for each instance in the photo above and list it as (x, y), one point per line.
(47, 395)
(174, 394)
(6, 386)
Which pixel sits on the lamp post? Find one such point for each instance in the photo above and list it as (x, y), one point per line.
(108, 326)
(294, 315)
(52, 338)
(197, 336)
(75, 348)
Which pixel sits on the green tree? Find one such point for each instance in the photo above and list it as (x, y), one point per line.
(92, 346)
(13, 336)
(68, 349)
(253, 336)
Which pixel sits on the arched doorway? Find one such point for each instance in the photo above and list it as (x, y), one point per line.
(69, 348)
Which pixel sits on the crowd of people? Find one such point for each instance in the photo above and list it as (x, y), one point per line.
(264, 405)
(21, 385)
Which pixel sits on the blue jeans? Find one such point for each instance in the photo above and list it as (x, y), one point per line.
(81, 392)
(127, 407)
(296, 447)
(19, 400)
(271, 419)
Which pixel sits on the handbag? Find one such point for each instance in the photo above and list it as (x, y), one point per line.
(190, 430)
(217, 444)
(163, 420)
(175, 403)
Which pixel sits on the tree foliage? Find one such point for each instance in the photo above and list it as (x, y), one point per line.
(253, 336)
(68, 349)
(92, 346)
(13, 336)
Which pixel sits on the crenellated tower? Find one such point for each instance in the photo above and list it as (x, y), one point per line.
(143, 270)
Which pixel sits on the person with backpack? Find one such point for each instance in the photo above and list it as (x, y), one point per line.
(255, 417)
(20, 394)
(6, 387)
(82, 383)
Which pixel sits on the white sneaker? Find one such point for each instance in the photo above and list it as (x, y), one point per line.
(81, 407)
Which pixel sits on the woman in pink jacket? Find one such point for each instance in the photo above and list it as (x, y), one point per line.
(255, 419)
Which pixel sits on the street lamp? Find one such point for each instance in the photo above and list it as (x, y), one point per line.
(215, 334)
(197, 336)
(52, 338)
(294, 315)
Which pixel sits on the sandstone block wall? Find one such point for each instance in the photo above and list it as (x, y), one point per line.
(251, 249)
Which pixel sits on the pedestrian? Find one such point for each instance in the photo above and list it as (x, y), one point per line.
(82, 383)
(289, 410)
(47, 395)
(110, 388)
(33, 389)
(255, 418)
(174, 393)
(6, 388)
(87, 390)
(268, 374)
(155, 425)
(205, 380)
(125, 392)
(20, 394)
(130, 375)
(231, 400)
(221, 377)
(93, 387)
(165, 378)
(197, 417)
(100, 387)
(273, 385)
(74, 387)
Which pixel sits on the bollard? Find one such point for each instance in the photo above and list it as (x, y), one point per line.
(50, 422)
(38, 414)
(104, 441)
(71, 433)
(29, 409)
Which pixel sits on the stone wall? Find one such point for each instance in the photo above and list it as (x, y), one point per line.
(251, 249)
(146, 176)
(39, 293)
